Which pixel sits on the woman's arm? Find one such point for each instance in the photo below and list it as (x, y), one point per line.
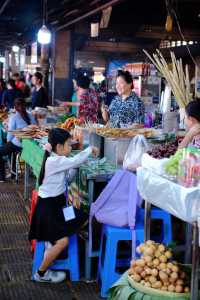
(195, 130)
(105, 114)
(11, 126)
(74, 104)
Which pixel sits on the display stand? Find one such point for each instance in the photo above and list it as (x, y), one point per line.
(152, 188)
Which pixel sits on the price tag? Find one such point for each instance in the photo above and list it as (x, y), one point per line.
(68, 212)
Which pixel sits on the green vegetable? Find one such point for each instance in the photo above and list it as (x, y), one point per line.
(63, 118)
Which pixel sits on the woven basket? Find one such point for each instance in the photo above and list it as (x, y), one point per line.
(153, 292)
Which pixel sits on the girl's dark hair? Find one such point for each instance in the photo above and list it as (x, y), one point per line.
(193, 109)
(56, 136)
(20, 106)
(126, 75)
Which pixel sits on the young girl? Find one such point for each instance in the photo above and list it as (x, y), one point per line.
(48, 222)
(192, 120)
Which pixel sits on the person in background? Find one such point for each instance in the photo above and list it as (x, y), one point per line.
(88, 101)
(24, 88)
(19, 120)
(2, 90)
(16, 78)
(192, 120)
(11, 94)
(74, 98)
(126, 108)
(48, 221)
(39, 95)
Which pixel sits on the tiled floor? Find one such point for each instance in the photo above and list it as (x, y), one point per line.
(15, 257)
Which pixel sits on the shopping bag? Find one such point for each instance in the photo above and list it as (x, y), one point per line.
(137, 147)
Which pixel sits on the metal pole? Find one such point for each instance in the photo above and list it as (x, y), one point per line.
(147, 221)
(188, 243)
(195, 263)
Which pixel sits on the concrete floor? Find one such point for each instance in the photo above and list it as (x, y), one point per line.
(16, 259)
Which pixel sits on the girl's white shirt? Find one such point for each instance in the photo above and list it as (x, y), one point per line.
(56, 168)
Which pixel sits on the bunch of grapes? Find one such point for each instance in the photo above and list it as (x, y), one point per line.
(164, 151)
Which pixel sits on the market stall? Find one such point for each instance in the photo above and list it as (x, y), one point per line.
(180, 201)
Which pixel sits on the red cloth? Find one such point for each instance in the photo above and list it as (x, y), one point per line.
(33, 205)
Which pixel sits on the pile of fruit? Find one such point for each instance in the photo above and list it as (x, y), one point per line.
(156, 270)
(164, 150)
(172, 165)
(70, 123)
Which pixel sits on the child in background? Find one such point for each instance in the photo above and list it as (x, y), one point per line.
(48, 222)
(192, 121)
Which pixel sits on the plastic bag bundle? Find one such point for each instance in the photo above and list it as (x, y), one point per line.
(137, 147)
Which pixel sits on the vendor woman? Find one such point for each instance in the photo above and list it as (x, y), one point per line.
(126, 108)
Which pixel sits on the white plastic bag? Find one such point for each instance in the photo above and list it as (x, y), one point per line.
(137, 147)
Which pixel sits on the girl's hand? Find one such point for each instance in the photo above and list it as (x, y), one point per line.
(95, 151)
(77, 203)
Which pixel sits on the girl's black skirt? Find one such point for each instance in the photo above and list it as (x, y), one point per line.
(48, 223)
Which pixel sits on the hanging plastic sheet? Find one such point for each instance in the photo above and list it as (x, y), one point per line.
(182, 202)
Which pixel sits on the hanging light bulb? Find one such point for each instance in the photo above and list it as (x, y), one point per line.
(44, 35)
(15, 48)
(94, 29)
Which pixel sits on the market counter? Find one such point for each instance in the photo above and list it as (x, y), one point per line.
(32, 154)
(184, 203)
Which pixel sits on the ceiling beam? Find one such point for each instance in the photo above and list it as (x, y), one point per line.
(88, 14)
(158, 32)
(111, 47)
(4, 6)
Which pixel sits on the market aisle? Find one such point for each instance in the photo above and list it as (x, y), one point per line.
(15, 257)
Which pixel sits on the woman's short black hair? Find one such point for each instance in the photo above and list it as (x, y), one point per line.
(11, 82)
(126, 75)
(39, 76)
(83, 81)
(193, 109)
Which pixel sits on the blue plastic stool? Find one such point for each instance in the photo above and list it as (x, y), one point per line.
(108, 260)
(113, 235)
(71, 263)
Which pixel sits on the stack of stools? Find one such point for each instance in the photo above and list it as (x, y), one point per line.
(108, 261)
(71, 263)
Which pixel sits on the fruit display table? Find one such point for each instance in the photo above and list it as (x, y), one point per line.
(184, 203)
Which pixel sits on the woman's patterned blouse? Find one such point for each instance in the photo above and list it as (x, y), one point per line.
(126, 112)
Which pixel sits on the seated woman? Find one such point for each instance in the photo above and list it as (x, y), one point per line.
(126, 108)
(192, 121)
(19, 120)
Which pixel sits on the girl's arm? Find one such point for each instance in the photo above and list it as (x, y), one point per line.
(61, 163)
